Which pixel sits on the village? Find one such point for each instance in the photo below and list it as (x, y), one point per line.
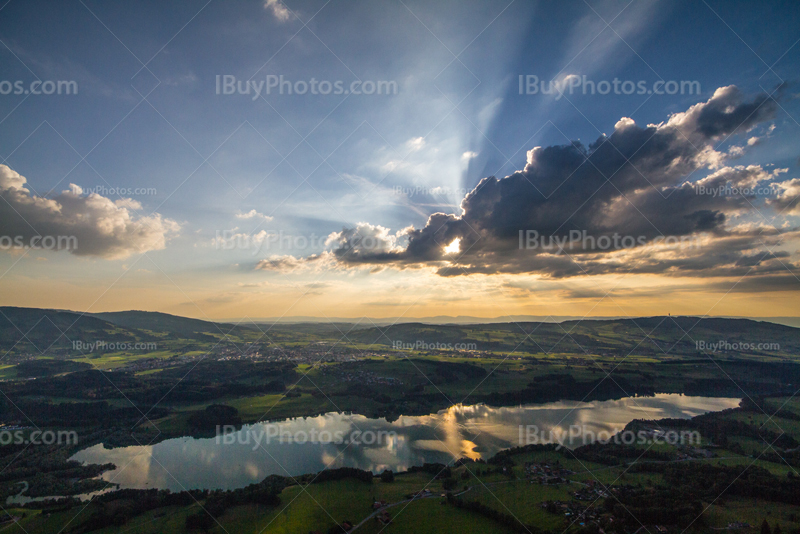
(543, 473)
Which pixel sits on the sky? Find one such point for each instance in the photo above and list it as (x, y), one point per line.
(256, 159)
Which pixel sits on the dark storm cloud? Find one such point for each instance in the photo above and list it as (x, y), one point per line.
(717, 119)
(633, 183)
(759, 284)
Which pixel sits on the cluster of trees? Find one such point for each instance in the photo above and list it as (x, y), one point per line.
(337, 474)
(60, 483)
(710, 481)
(614, 453)
(558, 388)
(707, 482)
(74, 414)
(718, 428)
(442, 372)
(436, 469)
(632, 507)
(789, 457)
(725, 387)
(264, 493)
(759, 405)
(765, 529)
(206, 382)
(117, 508)
(49, 367)
(47, 471)
(364, 391)
(525, 449)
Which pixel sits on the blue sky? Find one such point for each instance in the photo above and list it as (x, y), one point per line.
(147, 117)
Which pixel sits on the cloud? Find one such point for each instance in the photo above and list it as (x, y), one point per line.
(365, 241)
(762, 284)
(279, 11)
(723, 114)
(635, 183)
(101, 227)
(788, 195)
(415, 144)
(253, 214)
(739, 177)
(285, 263)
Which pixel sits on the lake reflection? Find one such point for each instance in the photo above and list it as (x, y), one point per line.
(477, 431)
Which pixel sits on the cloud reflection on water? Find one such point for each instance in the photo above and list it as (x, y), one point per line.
(459, 431)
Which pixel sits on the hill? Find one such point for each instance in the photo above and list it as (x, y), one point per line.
(171, 324)
(647, 335)
(37, 330)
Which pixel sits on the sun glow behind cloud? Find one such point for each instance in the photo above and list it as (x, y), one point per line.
(454, 247)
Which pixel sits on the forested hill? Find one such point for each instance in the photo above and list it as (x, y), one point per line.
(38, 331)
(648, 335)
(164, 322)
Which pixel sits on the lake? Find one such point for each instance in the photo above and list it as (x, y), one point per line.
(310, 444)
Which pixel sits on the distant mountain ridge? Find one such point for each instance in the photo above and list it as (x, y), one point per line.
(468, 319)
(36, 330)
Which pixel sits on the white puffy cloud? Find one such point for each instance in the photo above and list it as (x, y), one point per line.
(280, 263)
(416, 143)
(624, 122)
(788, 198)
(253, 214)
(722, 115)
(279, 11)
(100, 226)
(366, 239)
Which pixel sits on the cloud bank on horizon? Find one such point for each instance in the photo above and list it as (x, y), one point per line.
(626, 202)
